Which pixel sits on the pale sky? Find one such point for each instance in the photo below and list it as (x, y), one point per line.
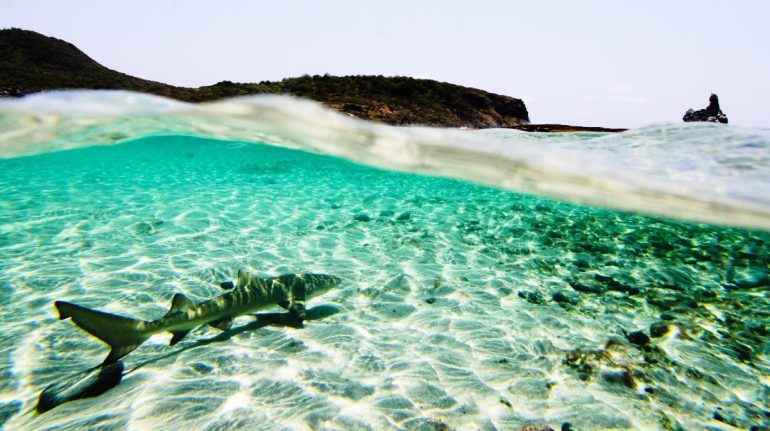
(599, 63)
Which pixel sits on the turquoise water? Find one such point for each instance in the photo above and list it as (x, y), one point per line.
(701, 172)
(462, 306)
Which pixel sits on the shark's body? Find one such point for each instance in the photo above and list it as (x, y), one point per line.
(251, 293)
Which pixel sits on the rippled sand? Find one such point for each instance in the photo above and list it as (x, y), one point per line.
(462, 307)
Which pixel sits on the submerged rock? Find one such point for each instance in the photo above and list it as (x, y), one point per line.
(536, 427)
(616, 285)
(619, 377)
(362, 217)
(572, 298)
(586, 287)
(742, 352)
(531, 296)
(148, 228)
(711, 114)
(670, 300)
(658, 329)
(638, 337)
(753, 278)
(582, 361)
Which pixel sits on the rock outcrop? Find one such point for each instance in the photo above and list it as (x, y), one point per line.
(31, 62)
(711, 114)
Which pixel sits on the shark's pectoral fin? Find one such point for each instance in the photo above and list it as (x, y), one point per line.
(178, 335)
(297, 310)
(284, 304)
(223, 324)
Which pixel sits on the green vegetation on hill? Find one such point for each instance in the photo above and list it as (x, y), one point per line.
(393, 100)
(31, 62)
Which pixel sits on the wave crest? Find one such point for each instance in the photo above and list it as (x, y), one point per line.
(695, 171)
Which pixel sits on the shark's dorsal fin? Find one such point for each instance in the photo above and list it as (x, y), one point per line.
(223, 324)
(177, 336)
(181, 303)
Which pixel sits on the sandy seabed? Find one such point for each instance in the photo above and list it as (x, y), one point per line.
(462, 307)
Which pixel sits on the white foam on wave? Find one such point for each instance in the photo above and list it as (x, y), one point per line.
(700, 172)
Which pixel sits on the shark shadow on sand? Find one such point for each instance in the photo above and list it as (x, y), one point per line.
(98, 380)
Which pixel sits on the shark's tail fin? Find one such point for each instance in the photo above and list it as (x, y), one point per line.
(123, 334)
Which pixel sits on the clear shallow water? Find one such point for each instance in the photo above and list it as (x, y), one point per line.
(462, 306)
(446, 316)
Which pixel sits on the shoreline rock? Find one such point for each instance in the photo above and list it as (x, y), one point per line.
(712, 113)
(564, 128)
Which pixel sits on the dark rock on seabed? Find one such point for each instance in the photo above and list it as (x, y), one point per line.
(585, 287)
(638, 337)
(535, 427)
(571, 298)
(658, 329)
(362, 217)
(531, 296)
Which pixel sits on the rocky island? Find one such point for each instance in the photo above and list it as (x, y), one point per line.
(712, 113)
(31, 62)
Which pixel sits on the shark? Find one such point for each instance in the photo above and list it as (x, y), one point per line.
(249, 294)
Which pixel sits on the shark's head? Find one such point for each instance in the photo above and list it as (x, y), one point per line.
(318, 284)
